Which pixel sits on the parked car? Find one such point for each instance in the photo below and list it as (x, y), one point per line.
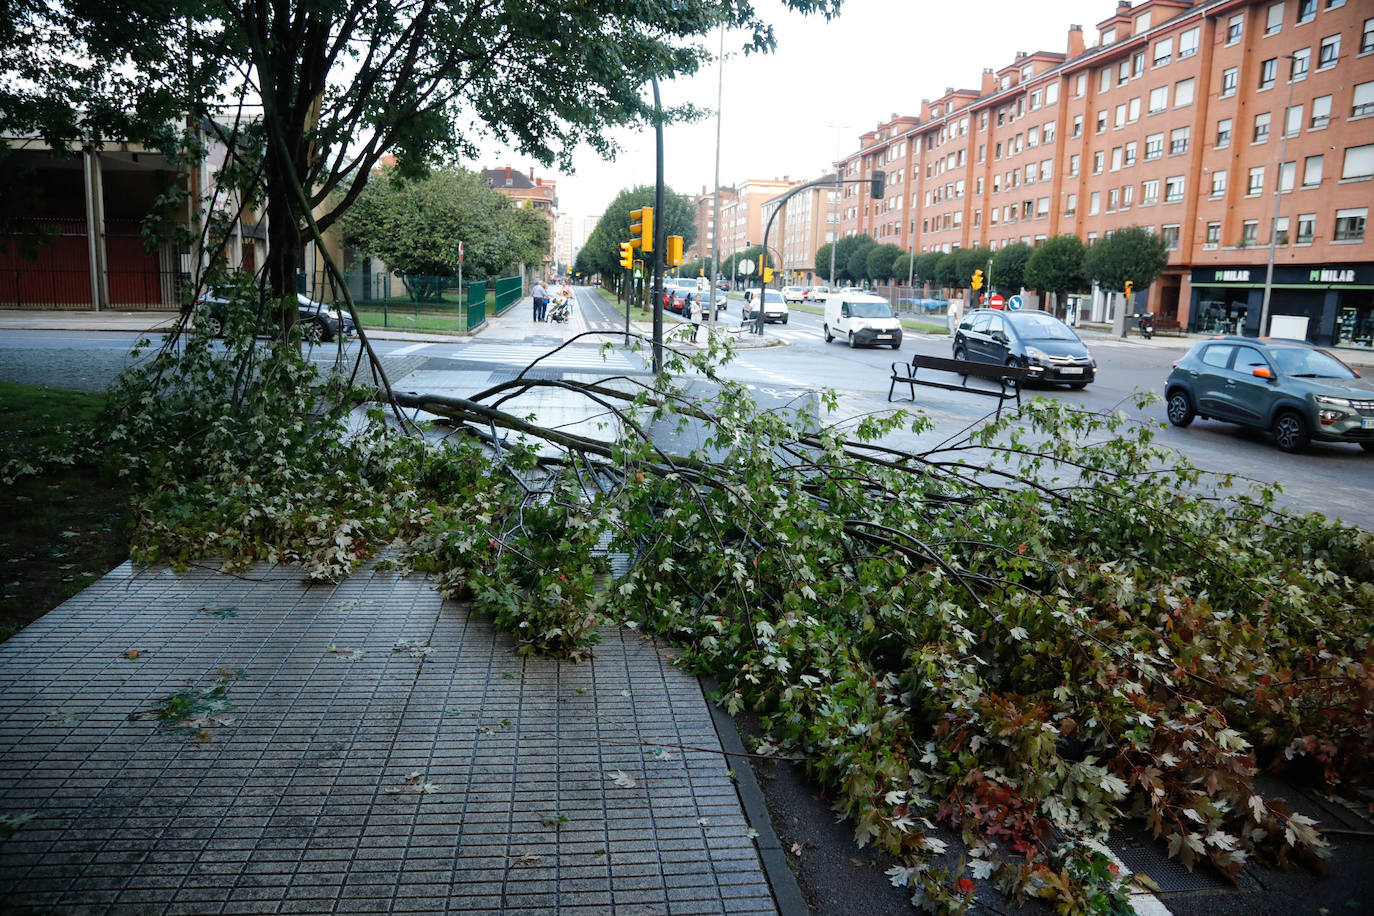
(1289, 387)
(1032, 339)
(862, 319)
(774, 308)
(318, 321)
(816, 293)
(792, 294)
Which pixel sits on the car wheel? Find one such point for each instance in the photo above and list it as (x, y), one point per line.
(215, 324)
(1290, 431)
(959, 353)
(896, 345)
(825, 329)
(1078, 386)
(1179, 408)
(315, 331)
(852, 344)
(784, 319)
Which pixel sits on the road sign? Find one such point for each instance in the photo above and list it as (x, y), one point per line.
(460, 252)
(1014, 303)
(745, 267)
(997, 301)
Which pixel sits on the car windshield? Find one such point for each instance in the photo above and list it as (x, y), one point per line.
(870, 310)
(1042, 327)
(1301, 363)
(772, 295)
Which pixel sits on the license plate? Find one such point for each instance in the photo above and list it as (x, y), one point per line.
(1071, 370)
(1367, 423)
(882, 336)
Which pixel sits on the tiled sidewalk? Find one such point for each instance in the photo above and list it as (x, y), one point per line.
(385, 752)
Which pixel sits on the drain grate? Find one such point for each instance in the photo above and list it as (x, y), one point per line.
(1144, 856)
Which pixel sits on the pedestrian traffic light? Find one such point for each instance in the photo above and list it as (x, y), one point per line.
(1129, 286)
(673, 256)
(627, 255)
(642, 225)
(977, 279)
(879, 179)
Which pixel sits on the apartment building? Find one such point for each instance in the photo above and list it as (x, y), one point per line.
(1196, 120)
(528, 192)
(808, 221)
(705, 206)
(742, 218)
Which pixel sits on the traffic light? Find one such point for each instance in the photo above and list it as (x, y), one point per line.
(767, 275)
(673, 256)
(627, 255)
(642, 225)
(879, 179)
(1129, 286)
(977, 282)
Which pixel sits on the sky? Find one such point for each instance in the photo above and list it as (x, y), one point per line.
(793, 112)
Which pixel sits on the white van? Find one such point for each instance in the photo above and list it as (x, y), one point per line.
(861, 318)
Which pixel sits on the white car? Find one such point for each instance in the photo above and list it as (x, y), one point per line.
(793, 294)
(774, 307)
(816, 293)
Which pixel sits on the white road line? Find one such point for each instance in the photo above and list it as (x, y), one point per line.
(578, 357)
(410, 349)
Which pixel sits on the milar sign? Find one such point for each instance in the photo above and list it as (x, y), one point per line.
(1233, 276)
(1331, 276)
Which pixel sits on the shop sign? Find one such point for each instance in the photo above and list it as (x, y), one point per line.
(1233, 276)
(1342, 275)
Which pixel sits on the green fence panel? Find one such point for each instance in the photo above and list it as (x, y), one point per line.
(508, 292)
(476, 304)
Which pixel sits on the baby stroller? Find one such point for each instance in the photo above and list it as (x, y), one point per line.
(560, 310)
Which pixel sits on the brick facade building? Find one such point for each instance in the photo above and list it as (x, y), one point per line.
(1182, 118)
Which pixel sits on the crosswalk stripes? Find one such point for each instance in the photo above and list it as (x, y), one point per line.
(573, 357)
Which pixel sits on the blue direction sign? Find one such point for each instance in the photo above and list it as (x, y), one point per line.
(1014, 303)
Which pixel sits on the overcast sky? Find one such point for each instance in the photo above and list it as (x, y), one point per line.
(787, 113)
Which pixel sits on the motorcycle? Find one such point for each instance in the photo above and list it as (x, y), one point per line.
(560, 310)
(1146, 323)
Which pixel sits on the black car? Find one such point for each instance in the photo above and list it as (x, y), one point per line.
(318, 321)
(1034, 340)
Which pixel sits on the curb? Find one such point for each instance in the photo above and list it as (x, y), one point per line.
(786, 892)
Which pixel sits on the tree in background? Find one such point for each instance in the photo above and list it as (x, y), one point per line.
(822, 267)
(1134, 253)
(851, 258)
(415, 225)
(601, 253)
(955, 269)
(925, 266)
(881, 261)
(1057, 267)
(1009, 267)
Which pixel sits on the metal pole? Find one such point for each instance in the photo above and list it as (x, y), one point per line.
(658, 233)
(715, 218)
(1278, 199)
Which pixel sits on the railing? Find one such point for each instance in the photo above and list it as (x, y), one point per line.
(508, 290)
(410, 301)
(476, 304)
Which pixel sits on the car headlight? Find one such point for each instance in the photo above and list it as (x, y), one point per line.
(1327, 400)
(1036, 355)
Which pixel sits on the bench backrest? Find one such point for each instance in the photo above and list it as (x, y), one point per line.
(965, 367)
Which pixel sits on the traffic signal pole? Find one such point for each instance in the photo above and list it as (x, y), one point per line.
(658, 233)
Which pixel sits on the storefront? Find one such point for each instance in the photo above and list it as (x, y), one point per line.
(1330, 305)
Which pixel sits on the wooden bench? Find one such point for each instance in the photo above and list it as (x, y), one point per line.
(1008, 378)
(1169, 327)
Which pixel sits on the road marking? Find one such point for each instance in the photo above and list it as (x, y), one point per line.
(410, 349)
(573, 357)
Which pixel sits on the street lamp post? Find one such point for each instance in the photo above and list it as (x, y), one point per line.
(715, 216)
(659, 223)
(1278, 199)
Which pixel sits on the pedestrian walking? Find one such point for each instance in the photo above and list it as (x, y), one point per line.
(540, 297)
(693, 309)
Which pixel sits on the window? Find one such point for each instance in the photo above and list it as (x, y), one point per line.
(1213, 237)
(1362, 103)
(1071, 205)
(1350, 224)
(1097, 162)
(1288, 173)
(1183, 92)
(1302, 59)
(1033, 137)
(1170, 236)
(1123, 73)
(1234, 26)
(1229, 76)
(1051, 94)
(1133, 110)
(1046, 169)
(1163, 50)
(1130, 153)
(1102, 120)
(1080, 85)
(1187, 43)
(1367, 38)
(1116, 160)
(1249, 233)
(1329, 52)
(1030, 174)
(1269, 73)
(1077, 125)
(1154, 146)
(1142, 22)
(982, 151)
(1137, 64)
(1104, 79)
(1281, 230)
(1274, 21)
(1173, 189)
(1042, 207)
(1047, 134)
(1359, 162)
(1149, 192)
(1035, 97)
(1074, 162)
(1312, 171)
(1321, 112)
(1218, 183)
(1113, 200)
(1120, 116)
(1127, 193)
(1292, 122)
(1307, 11)
(1256, 185)
(1307, 228)
(1094, 203)
(1261, 127)
(1223, 133)
(978, 186)
(1178, 141)
(1159, 99)
(1218, 356)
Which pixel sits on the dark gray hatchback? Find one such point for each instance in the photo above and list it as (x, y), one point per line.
(1291, 388)
(1037, 341)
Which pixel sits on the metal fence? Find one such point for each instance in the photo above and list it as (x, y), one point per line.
(509, 290)
(415, 301)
